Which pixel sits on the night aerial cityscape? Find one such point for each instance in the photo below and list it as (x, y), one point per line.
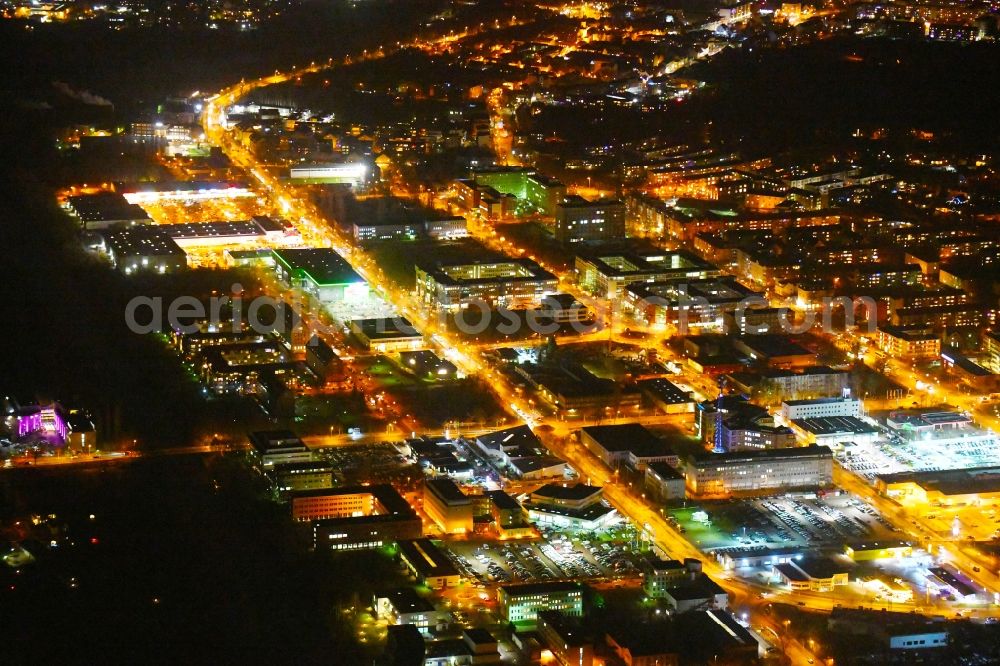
(474, 332)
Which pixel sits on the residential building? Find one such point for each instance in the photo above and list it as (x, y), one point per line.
(580, 220)
(912, 343)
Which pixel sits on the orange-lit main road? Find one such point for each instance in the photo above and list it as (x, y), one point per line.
(630, 503)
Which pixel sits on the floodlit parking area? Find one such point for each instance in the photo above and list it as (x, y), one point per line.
(970, 521)
(178, 211)
(554, 558)
(779, 522)
(380, 459)
(890, 457)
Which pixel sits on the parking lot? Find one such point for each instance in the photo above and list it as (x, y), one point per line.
(358, 462)
(780, 522)
(884, 457)
(554, 558)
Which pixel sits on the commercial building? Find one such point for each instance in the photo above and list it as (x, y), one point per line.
(474, 647)
(751, 472)
(269, 448)
(748, 429)
(386, 334)
(864, 551)
(569, 386)
(510, 520)
(658, 575)
(913, 424)
(503, 282)
(521, 603)
(404, 606)
(952, 487)
(698, 593)
(969, 371)
(736, 424)
(353, 173)
(425, 364)
(322, 359)
(104, 210)
(991, 344)
(667, 396)
(431, 567)
(260, 229)
(186, 190)
(626, 444)
(820, 408)
(580, 220)
(318, 503)
(288, 477)
(448, 506)
(564, 639)
(322, 273)
(695, 304)
(142, 249)
(897, 631)
(541, 192)
(579, 507)
(563, 309)
(664, 482)
(818, 574)
(694, 637)
(518, 453)
(607, 275)
(753, 557)
(408, 225)
(390, 519)
(775, 350)
(835, 430)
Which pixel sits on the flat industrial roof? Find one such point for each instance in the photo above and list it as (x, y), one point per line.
(447, 490)
(831, 425)
(386, 328)
(426, 558)
(509, 438)
(276, 441)
(665, 390)
(322, 265)
(951, 481)
(633, 437)
(764, 454)
(527, 589)
(577, 492)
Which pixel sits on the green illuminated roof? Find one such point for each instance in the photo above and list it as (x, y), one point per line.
(321, 265)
